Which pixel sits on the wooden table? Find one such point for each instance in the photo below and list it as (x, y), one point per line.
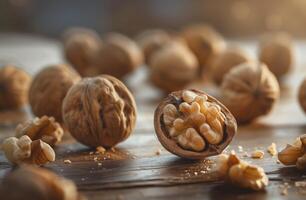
(135, 170)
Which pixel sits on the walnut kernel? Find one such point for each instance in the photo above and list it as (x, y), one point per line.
(257, 154)
(24, 150)
(14, 86)
(44, 128)
(249, 90)
(99, 111)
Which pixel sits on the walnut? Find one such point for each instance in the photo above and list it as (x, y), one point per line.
(80, 46)
(194, 125)
(276, 51)
(225, 61)
(302, 95)
(295, 154)
(24, 150)
(49, 88)
(99, 111)
(204, 42)
(14, 86)
(29, 182)
(249, 90)
(151, 41)
(44, 128)
(173, 67)
(241, 173)
(118, 56)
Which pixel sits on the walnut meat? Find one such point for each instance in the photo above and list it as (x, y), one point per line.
(14, 86)
(302, 95)
(49, 88)
(24, 150)
(225, 61)
(204, 42)
(28, 182)
(173, 67)
(249, 90)
(44, 128)
(276, 51)
(99, 111)
(194, 125)
(118, 56)
(80, 47)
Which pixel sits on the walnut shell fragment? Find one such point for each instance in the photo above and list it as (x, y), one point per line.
(118, 56)
(49, 88)
(14, 86)
(28, 182)
(194, 125)
(249, 90)
(99, 111)
(173, 67)
(44, 128)
(302, 95)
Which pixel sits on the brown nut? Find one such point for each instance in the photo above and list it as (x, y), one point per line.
(49, 88)
(44, 128)
(118, 56)
(24, 150)
(28, 182)
(225, 61)
(173, 67)
(302, 95)
(276, 51)
(99, 111)
(249, 90)
(204, 42)
(80, 47)
(14, 86)
(192, 124)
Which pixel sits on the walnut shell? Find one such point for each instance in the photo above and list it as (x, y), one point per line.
(118, 56)
(80, 47)
(49, 88)
(14, 86)
(276, 51)
(99, 111)
(225, 61)
(249, 90)
(229, 127)
(204, 42)
(173, 67)
(302, 95)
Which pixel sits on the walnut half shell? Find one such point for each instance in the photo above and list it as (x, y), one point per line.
(192, 124)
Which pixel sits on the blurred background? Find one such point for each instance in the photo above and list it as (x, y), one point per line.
(233, 18)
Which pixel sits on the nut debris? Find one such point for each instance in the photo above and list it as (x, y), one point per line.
(257, 154)
(44, 128)
(241, 173)
(295, 154)
(191, 124)
(67, 161)
(272, 149)
(24, 150)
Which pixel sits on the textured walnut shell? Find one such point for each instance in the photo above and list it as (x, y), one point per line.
(302, 95)
(172, 146)
(80, 47)
(249, 90)
(49, 88)
(14, 86)
(173, 67)
(276, 51)
(99, 111)
(118, 56)
(225, 61)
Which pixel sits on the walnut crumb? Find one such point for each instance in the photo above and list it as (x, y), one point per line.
(67, 161)
(272, 149)
(257, 154)
(158, 152)
(100, 150)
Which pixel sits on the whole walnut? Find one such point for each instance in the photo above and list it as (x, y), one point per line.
(99, 111)
(118, 56)
(204, 42)
(152, 40)
(277, 52)
(249, 90)
(80, 46)
(14, 86)
(225, 61)
(49, 88)
(302, 95)
(173, 67)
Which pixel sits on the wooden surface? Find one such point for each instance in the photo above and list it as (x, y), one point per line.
(134, 170)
